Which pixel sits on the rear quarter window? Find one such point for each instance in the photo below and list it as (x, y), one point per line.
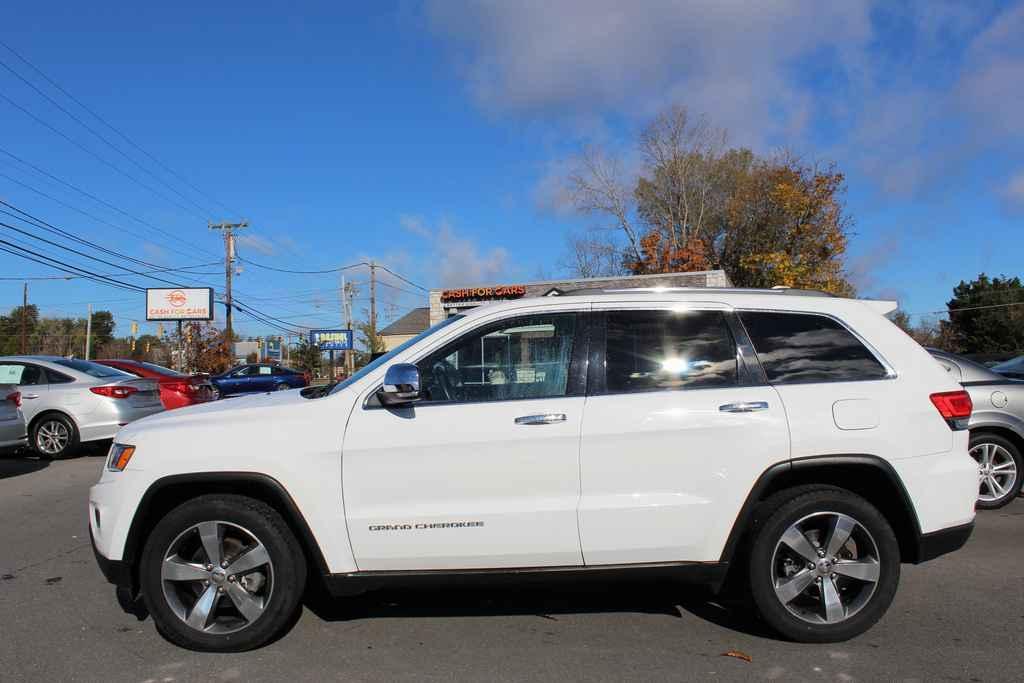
(801, 348)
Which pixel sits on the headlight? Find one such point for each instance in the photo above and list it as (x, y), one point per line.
(119, 456)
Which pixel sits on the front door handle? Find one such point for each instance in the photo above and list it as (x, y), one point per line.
(744, 407)
(543, 419)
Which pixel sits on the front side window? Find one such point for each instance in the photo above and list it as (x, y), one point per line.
(799, 348)
(524, 357)
(665, 350)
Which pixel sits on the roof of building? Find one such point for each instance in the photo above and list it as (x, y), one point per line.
(413, 322)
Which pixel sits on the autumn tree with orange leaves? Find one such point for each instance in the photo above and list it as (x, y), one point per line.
(698, 205)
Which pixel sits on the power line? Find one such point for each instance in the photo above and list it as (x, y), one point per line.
(91, 196)
(971, 308)
(102, 160)
(303, 272)
(40, 223)
(99, 135)
(32, 255)
(121, 134)
(403, 279)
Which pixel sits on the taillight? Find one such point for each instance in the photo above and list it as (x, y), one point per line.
(954, 406)
(14, 398)
(115, 391)
(181, 387)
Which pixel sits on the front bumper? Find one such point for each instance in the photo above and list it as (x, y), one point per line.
(116, 572)
(943, 541)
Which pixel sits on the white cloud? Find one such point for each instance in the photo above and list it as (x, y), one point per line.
(457, 260)
(256, 243)
(1013, 191)
(730, 59)
(906, 93)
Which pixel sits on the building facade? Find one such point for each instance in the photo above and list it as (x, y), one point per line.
(448, 302)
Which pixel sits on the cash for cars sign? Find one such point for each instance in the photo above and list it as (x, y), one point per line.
(331, 340)
(179, 304)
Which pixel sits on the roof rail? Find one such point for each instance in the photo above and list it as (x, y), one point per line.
(786, 291)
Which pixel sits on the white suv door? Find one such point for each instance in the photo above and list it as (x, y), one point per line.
(483, 471)
(677, 429)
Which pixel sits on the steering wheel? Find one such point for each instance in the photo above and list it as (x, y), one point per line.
(448, 379)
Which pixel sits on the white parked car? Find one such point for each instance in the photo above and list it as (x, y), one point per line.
(800, 444)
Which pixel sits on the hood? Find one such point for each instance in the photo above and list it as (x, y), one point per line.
(247, 408)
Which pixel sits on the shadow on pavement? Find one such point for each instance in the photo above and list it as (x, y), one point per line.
(542, 601)
(18, 464)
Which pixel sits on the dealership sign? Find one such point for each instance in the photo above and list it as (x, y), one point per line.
(482, 293)
(331, 340)
(179, 304)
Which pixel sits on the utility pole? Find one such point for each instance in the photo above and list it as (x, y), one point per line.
(346, 311)
(229, 268)
(24, 320)
(88, 332)
(373, 303)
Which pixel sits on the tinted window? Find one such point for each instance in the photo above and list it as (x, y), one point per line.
(800, 347)
(90, 368)
(21, 374)
(54, 377)
(526, 357)
(662, 350)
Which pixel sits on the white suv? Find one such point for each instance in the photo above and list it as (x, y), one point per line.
(799, 445)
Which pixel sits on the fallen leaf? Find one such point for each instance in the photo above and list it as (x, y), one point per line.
(738, 655)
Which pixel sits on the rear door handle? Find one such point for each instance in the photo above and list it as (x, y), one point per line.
(744, 407)
(30, 395)
(542, 419)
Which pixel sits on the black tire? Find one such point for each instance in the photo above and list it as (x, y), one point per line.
(288, 576)
(45, 425)
(983, 438)
(787, 508)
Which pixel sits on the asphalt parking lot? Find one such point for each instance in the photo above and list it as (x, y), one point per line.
(958, 618)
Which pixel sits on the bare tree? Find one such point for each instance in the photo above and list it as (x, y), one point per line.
(598, 185)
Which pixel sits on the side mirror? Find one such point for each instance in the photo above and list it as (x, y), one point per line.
(401, 385)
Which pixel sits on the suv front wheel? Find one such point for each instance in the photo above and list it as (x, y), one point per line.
(222, 573)
(824, 565)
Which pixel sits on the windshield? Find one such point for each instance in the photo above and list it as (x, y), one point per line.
(386, 358)
(92, 369)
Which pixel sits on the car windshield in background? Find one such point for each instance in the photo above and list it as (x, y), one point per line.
(161, 369)
(92, 369)
(386, 358)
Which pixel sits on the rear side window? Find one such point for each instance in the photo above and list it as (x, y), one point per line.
(92, 369)
(665, 350)
(800, 348)
(54, 377)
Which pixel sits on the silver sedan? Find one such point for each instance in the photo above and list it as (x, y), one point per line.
(997, 427)
(67, 401)
(12, 421)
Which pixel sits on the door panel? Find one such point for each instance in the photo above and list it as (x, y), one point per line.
(510, 489)
(664, 474)
(675, 437)
(483, 472)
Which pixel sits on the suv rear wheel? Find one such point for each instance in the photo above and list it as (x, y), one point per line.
(824, 565)
(222, 573)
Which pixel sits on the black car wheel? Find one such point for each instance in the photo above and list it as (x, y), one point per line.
(999, 469)
(824, 565)
(54, 436)
(222, 573)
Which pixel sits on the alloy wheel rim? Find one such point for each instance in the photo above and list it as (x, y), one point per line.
(825, 568)
(217, 577)
(52, 437)
(997, 471)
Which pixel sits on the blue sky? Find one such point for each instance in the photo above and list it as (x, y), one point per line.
(431, 136)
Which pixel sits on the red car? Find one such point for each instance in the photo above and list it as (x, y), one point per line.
(176, 389)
